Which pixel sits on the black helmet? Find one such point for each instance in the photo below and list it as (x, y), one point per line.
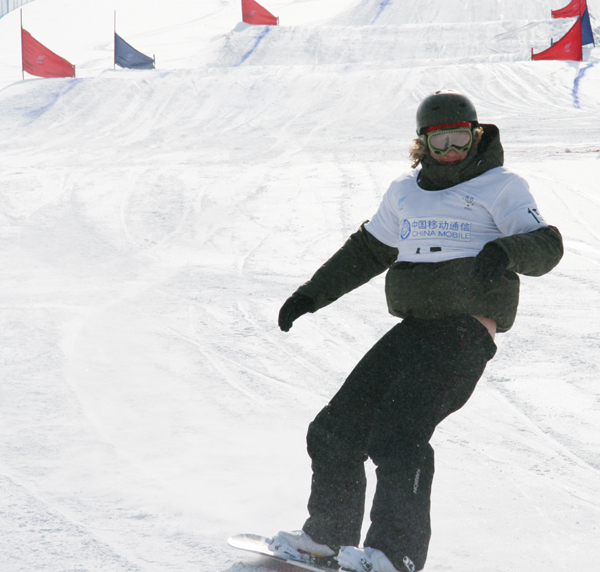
(444, 107)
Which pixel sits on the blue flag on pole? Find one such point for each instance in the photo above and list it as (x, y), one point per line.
(128, 57)
(587, 35)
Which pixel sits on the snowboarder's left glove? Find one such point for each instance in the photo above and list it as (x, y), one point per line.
(490, 264)
(294, 307)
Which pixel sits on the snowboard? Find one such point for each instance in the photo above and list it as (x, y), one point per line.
(260, 545)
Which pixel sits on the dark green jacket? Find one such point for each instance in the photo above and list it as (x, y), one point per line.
(436, 290)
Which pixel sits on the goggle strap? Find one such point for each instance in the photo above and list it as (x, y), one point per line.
(448, 126)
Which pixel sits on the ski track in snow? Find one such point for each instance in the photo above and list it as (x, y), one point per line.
(152, 223)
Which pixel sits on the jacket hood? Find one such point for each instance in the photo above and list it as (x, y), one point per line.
(488, 155)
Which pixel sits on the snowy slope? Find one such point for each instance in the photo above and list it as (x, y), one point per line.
(383, 12)
(152, 223)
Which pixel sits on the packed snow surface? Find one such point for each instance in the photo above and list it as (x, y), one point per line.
(152, 224)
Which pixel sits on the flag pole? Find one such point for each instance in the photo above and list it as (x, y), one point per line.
(115, 43)
(22, 63)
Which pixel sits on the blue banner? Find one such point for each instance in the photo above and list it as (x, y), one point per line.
(128, 57)
(587, 35)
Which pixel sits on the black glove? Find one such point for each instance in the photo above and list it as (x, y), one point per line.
(490, 264)
(294, 307)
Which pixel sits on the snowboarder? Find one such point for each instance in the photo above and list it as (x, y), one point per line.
(453, 235)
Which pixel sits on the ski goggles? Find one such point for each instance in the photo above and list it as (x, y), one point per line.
(441, 141)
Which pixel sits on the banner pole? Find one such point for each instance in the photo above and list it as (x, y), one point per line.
(115, 43)
(22, 62)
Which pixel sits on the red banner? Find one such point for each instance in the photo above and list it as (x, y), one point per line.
(254, 13)
(38, 60)
(575, 8)
(567, 48)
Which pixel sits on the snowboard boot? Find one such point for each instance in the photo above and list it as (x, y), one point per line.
(297, 543)
(370, 560)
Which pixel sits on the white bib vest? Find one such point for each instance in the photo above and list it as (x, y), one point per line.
(433, 226)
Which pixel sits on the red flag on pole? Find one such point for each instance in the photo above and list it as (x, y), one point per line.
(567, 48)
(575, 8)
(38, 60)
(254, 13)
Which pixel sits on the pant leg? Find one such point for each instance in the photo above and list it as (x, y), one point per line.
(337, 444)
(448, 359)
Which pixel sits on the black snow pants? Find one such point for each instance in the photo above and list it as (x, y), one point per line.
(416, 375)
